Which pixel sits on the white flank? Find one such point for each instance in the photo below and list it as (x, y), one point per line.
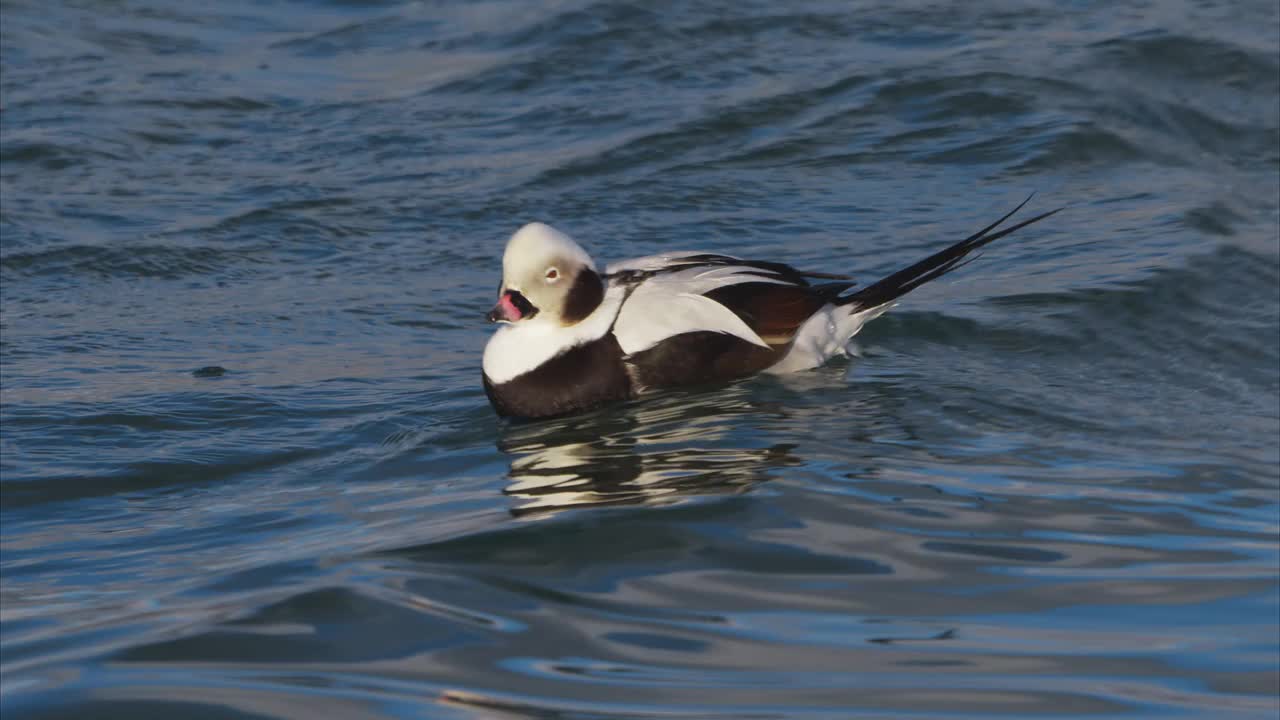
(520, 347)
(823, 336)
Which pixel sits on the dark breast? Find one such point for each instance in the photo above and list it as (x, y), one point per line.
(580, 379)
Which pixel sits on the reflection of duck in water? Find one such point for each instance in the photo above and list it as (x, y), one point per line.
(653, 454)
(574, 339)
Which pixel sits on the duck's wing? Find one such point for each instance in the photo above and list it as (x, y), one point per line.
(650, 265)
(761, 302)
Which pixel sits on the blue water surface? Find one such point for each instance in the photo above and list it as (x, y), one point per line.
(247, 469)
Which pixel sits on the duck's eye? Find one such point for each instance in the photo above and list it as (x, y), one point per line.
(552, 275)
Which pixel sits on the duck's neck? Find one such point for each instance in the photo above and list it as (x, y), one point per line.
(523, 346)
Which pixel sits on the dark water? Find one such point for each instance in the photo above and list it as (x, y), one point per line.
(248, 470)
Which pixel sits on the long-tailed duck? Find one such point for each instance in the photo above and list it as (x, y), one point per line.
(574, 338)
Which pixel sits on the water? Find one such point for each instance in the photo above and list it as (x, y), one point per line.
(1045, 486)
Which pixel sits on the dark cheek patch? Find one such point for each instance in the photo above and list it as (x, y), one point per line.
(584, 296)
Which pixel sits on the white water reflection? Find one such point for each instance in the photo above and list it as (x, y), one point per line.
(652, 452)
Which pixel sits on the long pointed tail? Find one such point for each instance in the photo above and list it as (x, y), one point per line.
(904, 281)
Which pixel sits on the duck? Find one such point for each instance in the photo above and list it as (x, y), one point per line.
(573, 337)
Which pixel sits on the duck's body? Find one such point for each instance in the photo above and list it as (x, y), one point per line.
(575, 339)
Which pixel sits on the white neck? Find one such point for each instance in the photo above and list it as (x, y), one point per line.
(517, 348)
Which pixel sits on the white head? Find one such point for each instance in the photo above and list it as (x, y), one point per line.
(545, 273)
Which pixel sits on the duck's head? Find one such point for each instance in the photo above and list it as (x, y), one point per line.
(546, 274)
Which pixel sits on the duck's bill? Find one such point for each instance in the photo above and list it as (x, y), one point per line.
(512, 306)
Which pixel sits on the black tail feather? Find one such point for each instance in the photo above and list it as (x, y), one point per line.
(936, 265)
